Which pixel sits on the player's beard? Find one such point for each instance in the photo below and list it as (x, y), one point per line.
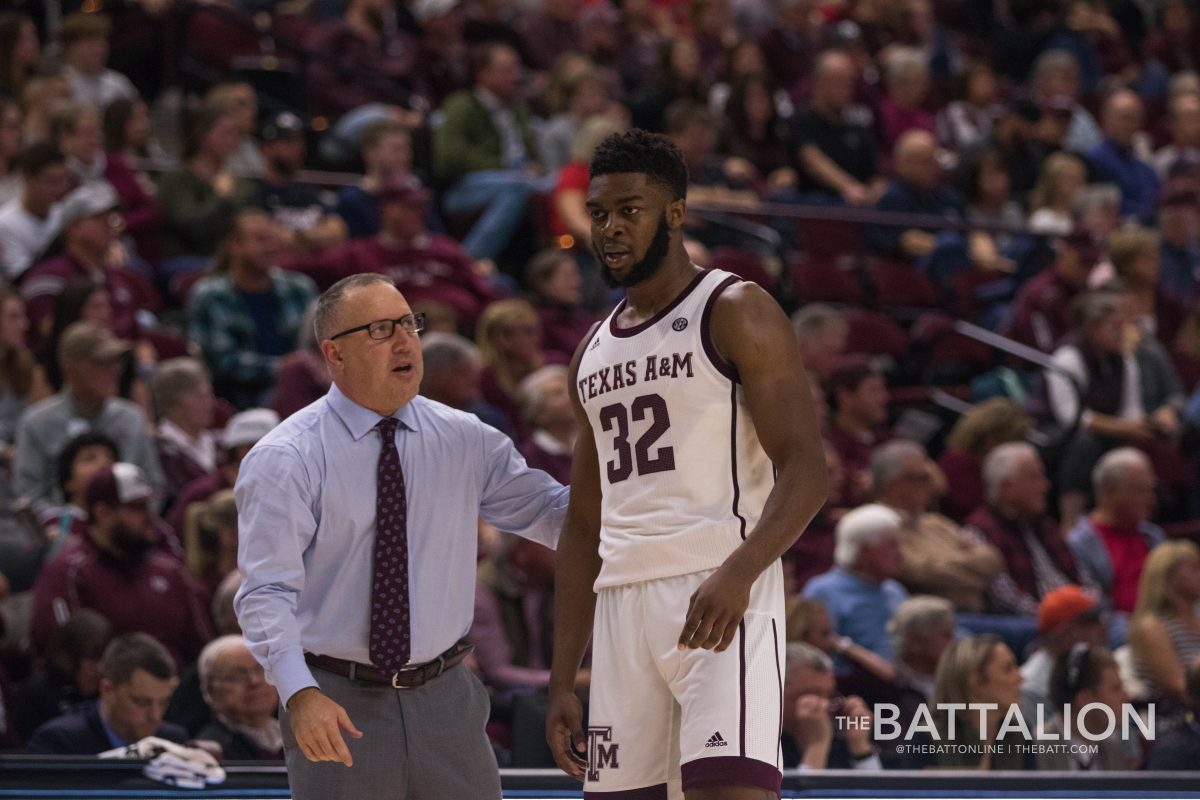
(650, 263)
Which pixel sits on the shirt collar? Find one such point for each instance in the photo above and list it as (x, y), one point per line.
(113, 739)
(359, 420)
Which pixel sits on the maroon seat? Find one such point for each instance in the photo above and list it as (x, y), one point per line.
(873, 334)
(745, 264)
(824, 280)
(900, 284)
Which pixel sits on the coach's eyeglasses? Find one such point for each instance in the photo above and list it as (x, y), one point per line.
(383, 329)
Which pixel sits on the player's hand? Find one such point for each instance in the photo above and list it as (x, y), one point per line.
(715, 611)
(564, 733)
(318, 723)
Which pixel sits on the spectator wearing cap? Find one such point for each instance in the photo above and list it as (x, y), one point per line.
(938, 557)
(485, 154)
(303, 211)
(442, 66)
(835, 154)
(29, 223)
(1013, 519)
(90, 224)
(1182, 155)
(137, 678)
(84, 40)
(386, 150)
(1041, 309)
(247, 317)
(1115, 159)
(1179, 252)
(1112, 542)
(242, 431)
(90, 358)
(184, 403)
(117, 569)
(862, 592)
(242, 702)
(859, 399)
(1119, 385)
(1066, 616)
(426, 266)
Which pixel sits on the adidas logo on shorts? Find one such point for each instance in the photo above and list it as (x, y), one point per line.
(716, 740)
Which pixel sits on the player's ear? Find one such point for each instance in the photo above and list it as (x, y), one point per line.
(676, 210)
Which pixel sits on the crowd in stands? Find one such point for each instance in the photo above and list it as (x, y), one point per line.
(179, 181)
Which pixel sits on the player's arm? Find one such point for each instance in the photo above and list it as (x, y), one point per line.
(751, 332)
(576, 566)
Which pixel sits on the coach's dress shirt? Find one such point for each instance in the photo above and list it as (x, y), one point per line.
(306, 523)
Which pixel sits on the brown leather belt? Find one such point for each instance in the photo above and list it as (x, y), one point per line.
(408, 678)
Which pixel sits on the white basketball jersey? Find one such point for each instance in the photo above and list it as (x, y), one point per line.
(683, 475)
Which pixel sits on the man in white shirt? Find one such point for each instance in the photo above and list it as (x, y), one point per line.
(84, 40)
(29, 223)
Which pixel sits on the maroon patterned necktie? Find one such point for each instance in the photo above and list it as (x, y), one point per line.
(390, 646)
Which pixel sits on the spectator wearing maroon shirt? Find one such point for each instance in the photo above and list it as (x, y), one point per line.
(425, 266)
(117, 570)
(303, 378)
(1111, 543)
(184, 400)
(859, 398)
(1013, 520)
(127, 137)
(556, 289)
(1041, 310)
(363, 60)
(90, 227)
(546, 407)
(790, 46)
(551, 33)
(441, 64)
(241, 433)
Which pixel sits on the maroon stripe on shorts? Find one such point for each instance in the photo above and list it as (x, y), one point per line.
(657, 792)
(778, 675)
(742, 683)
(731, 771)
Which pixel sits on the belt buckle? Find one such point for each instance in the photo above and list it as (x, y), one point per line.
(396, 681)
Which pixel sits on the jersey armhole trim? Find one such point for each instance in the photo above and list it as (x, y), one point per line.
(710, 349)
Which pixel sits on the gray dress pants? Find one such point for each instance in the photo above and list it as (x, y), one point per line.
(426, 743)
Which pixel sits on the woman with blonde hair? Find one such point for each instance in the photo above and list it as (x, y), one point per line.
(1164, 635)
(210, 540)
(1053, 198)
(807, 620)
(978, 669)
(982, 427)
(509, 335)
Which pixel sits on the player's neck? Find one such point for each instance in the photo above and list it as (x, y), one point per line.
(654, 294)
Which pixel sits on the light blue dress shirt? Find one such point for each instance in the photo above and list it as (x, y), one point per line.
(306, 528)
(858, 608)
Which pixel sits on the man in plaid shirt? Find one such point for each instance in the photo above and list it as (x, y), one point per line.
(247, 318)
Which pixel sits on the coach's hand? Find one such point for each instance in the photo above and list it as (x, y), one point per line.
(318, 723)
(715, 610)
(564, 733)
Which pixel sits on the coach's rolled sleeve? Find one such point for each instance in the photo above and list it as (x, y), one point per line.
(277, 524)
(518, 499)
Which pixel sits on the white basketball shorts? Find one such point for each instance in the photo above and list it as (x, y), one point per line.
(662, 721)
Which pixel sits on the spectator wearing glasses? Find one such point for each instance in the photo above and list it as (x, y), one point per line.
(373, 474)
(243, 703)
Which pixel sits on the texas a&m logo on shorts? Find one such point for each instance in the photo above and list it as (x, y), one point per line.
(601, 755)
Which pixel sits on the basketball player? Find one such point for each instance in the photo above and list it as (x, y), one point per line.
(698, 465)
